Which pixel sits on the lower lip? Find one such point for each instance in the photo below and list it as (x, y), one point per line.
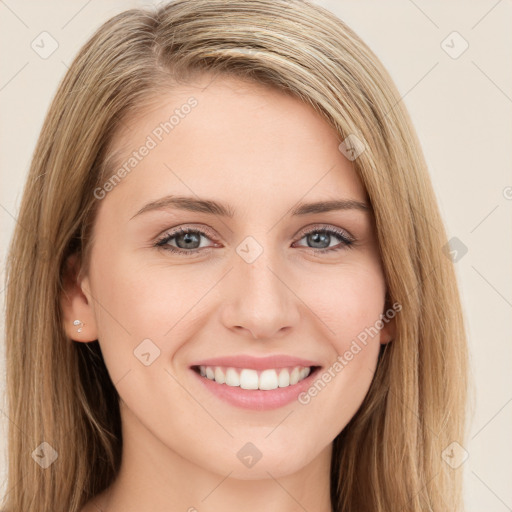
(257, 399)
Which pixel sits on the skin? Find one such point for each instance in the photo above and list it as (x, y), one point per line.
(245, 145)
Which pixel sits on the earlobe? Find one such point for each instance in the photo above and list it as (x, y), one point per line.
(78, 312)
(388, 331)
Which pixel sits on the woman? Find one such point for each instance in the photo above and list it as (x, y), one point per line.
(202, 167)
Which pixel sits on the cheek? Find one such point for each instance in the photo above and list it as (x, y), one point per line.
(348, 307)
(345, 301)
(136, 302)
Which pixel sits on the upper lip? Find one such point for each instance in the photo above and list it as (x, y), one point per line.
(256, 363)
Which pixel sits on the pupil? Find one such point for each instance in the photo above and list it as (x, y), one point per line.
(188, 239)
(320, 238)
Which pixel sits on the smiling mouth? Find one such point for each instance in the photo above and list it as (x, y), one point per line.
(248, 378)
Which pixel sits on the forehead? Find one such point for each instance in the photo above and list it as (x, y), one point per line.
(223, 136)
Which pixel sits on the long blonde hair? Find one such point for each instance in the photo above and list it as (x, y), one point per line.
(389, 457)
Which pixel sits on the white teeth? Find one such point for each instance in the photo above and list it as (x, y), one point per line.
(248, 379)
(232, 377)
(219, 375)
(252, 379)
(294, 376)
(304, 373)
(284, 378)
(268, 380)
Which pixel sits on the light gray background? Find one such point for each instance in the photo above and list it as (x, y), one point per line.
(462, 112)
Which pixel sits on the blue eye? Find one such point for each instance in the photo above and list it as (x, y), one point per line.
(188, 240)
(321, 235)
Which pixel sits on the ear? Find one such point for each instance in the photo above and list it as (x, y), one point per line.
(76, 303)
(388, 331)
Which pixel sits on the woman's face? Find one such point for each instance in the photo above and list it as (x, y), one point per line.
(255, 277)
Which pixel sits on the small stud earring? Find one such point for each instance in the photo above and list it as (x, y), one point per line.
(81, 324)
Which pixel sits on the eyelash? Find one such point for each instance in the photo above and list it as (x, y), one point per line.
(162, 242)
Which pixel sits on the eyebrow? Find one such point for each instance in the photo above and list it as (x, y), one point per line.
(214, 208)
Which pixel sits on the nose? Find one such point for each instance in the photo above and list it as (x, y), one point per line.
(257, 300)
